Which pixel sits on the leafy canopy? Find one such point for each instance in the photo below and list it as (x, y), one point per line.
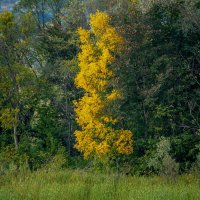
(94, 111)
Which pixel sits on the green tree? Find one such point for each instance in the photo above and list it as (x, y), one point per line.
(17, 77)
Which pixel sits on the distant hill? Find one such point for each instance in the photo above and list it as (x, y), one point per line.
(7, 5)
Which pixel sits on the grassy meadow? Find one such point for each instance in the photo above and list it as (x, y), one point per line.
(77, 184)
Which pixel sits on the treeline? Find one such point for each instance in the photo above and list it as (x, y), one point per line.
(158, 71)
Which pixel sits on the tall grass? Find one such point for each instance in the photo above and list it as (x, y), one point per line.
(75, 185)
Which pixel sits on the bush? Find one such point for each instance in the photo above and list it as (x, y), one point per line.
(161, 162)
(11, 160)
(196, 167)
(169, 167)
(57, 162)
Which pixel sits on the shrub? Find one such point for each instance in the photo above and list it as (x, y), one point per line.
(11, 160)
(162, 163)
(196, 167)
(57, 162)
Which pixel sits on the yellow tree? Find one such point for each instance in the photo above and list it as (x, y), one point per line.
(98, 136)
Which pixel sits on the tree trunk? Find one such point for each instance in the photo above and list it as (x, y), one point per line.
(15, 137)
(15, 131)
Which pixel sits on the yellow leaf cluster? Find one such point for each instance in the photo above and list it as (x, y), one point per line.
(98, 137)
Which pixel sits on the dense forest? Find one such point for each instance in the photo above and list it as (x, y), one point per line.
(102, 84)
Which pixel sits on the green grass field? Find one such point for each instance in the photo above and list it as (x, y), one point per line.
(75, 185)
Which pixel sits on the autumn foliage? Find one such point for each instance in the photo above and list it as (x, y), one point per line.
(99, 136)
